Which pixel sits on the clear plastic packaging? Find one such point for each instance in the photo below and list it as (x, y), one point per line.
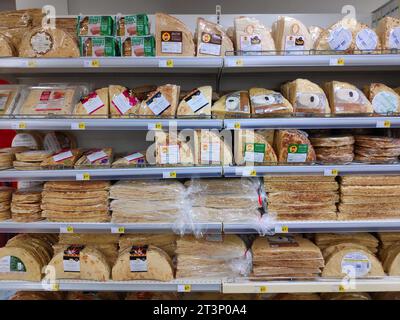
(292, 36)
(99, 47)
(9, 97)
(264, 101)
(95, 158)
(96, 25)
(132, 25)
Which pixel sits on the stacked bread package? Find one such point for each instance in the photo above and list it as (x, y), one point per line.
(266, 102)
(25, 205)
(7, 157)
(211, 39)
(212, 258)
(232, 105)
(286, 257)
(302, 197)
(165, 242)
(147, 201)
(384, 100)
(5, 202)
(31, 160)
(376, 149)
(292, 36)
(333, 149)
(76, 201)
(293, 146)
(369, 197)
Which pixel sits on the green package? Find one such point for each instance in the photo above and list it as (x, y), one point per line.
(98, 47)
(96, 26)
(137, 46)
(133, 25)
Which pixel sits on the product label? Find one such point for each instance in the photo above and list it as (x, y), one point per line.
(4, 99)
(158, 103)
(11, 264)
(63, 156)
(97, 156)
(138, 259)
(297, 153)
(340, 39)
(385, 102)
(295, 43)
(124, 102)
(350, 100)
(71, 259)
(394, 38)
(97, 25)
(137, 157)
(254, 152)
(210, 152)
(265, 103)
(367, 39)
(210, 44)
(41, 42)
(171, 42)
(251, 43)
(24, 140)
(307, 102)
(356, 264)
(92, 103)
(237, 102)
(169, 154)
(51, 100)
(282, 242)
(135, 25)
(196, 100)
(138, 46)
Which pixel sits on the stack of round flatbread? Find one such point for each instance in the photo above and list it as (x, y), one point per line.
(6, 159)
(30, 160)
(334, 149)
(377, 149)
(25, 206)
(5, 199)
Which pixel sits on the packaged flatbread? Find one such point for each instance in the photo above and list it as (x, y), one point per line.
(95, 158)
(197, 103)
(265, 102)
(293, 146)
(57, 141)
(48, 43)
(137, 46)
(63, 159)
(99, 47)
(292, 36)
(9, 95)
(133, 25)
(211, 39)
(33, 156)
(384, 100)
(236, 104)
(346, 98)
(315, 33)
(214, 149)
(7, 49)
(95, 104)
(389, 33)
(123, 104)
(134, 159)
(96, 25)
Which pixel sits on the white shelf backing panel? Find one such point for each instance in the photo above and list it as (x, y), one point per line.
(118, 228)
(108, 124)
(160, 65)
(351, 169)
(284, 227)
(313, 123)
(191, 285)
(111, 174)
(238, 64)
(315, 286)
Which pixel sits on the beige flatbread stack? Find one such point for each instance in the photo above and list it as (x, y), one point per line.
(293, 146)
(6, 159)
(7, 48)
(333, 149)
(367, 240)
(95, 104)
(25, 256)
(25, 205)
(95, 159)
(292, 36)
(107, 244)
(212, 259)
(377, 149)
(131, 160)
(123, 103)
(266, 102)
(5, 202)
(388, 238)
(286, 257)
(30, 160)
(302, 198)
(75, 201)
(196, 103)
(147, 201)
(166, 242)
(223, 200)
(390, 257)
(211, 39)
(62, 159)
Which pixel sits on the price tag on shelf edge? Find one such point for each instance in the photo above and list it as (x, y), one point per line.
(95, 63)
(184, 288)
(248, 172)
(82, 177)
(67, 229)
(155, 126)
(31, 64)
(336, 61)
(118, 230)
(169, 63)
(383, 124)
(331, 172)
(169, 175)
(261, 289)
(281, 229)
(18, 125)
(78, 126)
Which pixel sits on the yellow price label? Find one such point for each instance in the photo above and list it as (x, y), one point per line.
(387, 124)
(187, 288)
(32, 64)
(335, 172)
(253, 173)
(263, 289)
(70, 229)
(239, 63)
(22, 125)
(55, 287)
(340, 62)
(86, 177)
(342, 288)
(82, 126)
(237, 125)
(170, 63)
(172, 174)
(121, 230)
(158, 126)
(95, 63)
(285, 229)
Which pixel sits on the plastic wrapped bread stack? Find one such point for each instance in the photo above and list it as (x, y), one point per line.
(390, 252)
(302, 197)
(377, 149)
(5, 202)
(286, 257)
(25, 205)
(333, 149)
(212, 258)
(166, 242)
(147, 201)
(224, 200)
(76, 201)
(369, 197)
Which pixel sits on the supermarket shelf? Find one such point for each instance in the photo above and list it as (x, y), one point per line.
(111, 65)
(316, 286)
(313, 123)
(111, 174)
(108, 124)
(236, 64)
(192, 285)
(312, 170)
(280, 227)
(56, 227)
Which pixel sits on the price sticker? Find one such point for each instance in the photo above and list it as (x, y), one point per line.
(342, 288)
(18, 126)
(155, 126)
(166, 63)
(82, 177)
(118, 230)
(32, 64)
(55, 287)
(383, 124)
(67, 229)
(92, 63)
(239, 63)
(247, 172)
(336, 62)
(184, 288)
(281, 229)
(236, 125)
(331, 172)
(262, 289)
(169, 175)
(78, 126)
